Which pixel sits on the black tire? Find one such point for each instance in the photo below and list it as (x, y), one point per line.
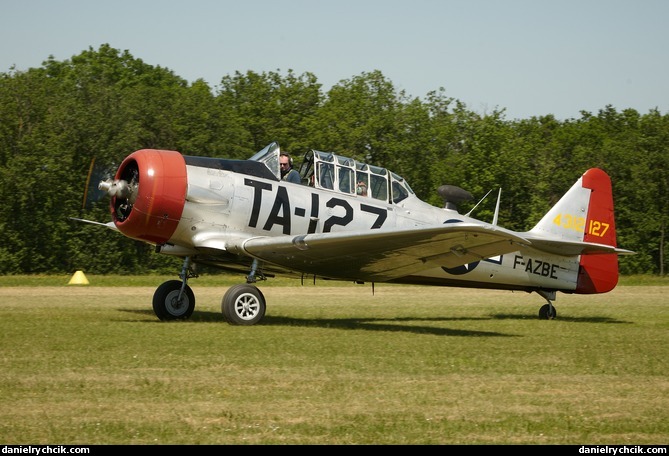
(547, 312)
(243, 304)
(166, 304)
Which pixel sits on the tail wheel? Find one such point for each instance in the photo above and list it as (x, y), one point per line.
(243, 305)
(547, 312)
(167, 304)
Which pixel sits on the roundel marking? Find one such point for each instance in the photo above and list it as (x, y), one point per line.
(464, 269)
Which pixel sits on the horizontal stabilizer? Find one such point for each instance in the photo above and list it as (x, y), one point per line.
(571, 248)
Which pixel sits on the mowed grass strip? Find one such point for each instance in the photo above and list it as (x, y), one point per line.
(334, 364)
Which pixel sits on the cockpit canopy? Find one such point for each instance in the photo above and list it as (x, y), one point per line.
(334, 172)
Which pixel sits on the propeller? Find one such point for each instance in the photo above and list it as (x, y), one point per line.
(93, 193)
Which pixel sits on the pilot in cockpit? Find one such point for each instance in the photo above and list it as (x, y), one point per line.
(287, 172)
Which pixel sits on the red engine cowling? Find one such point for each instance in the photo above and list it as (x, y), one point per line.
(151, 206)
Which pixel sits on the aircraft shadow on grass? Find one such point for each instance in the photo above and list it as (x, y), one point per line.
(381, 324)
(585, 319)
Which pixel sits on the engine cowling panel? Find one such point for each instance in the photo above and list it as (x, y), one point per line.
(152, 193)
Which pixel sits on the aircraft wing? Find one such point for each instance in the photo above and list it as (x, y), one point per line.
(377, 255)
(109, 225)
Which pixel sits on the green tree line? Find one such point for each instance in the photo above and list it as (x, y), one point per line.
(65, 118)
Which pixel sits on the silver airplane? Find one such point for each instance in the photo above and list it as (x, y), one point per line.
(348, 221)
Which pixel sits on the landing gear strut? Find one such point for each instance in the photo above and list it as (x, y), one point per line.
(174, 299)
(547, 311)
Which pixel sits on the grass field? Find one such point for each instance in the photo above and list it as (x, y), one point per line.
(332, 364)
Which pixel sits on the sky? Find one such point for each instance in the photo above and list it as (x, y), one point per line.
(529, 57)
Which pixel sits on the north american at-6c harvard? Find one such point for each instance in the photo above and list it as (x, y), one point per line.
(349, 221)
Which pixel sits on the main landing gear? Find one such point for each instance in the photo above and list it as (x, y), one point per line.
(242, 304)
(547, 311)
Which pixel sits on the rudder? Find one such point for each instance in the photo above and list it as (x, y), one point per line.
(598, 273)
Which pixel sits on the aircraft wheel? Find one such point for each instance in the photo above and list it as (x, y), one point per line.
(243, 305)
(167, 305)
(547, 312)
